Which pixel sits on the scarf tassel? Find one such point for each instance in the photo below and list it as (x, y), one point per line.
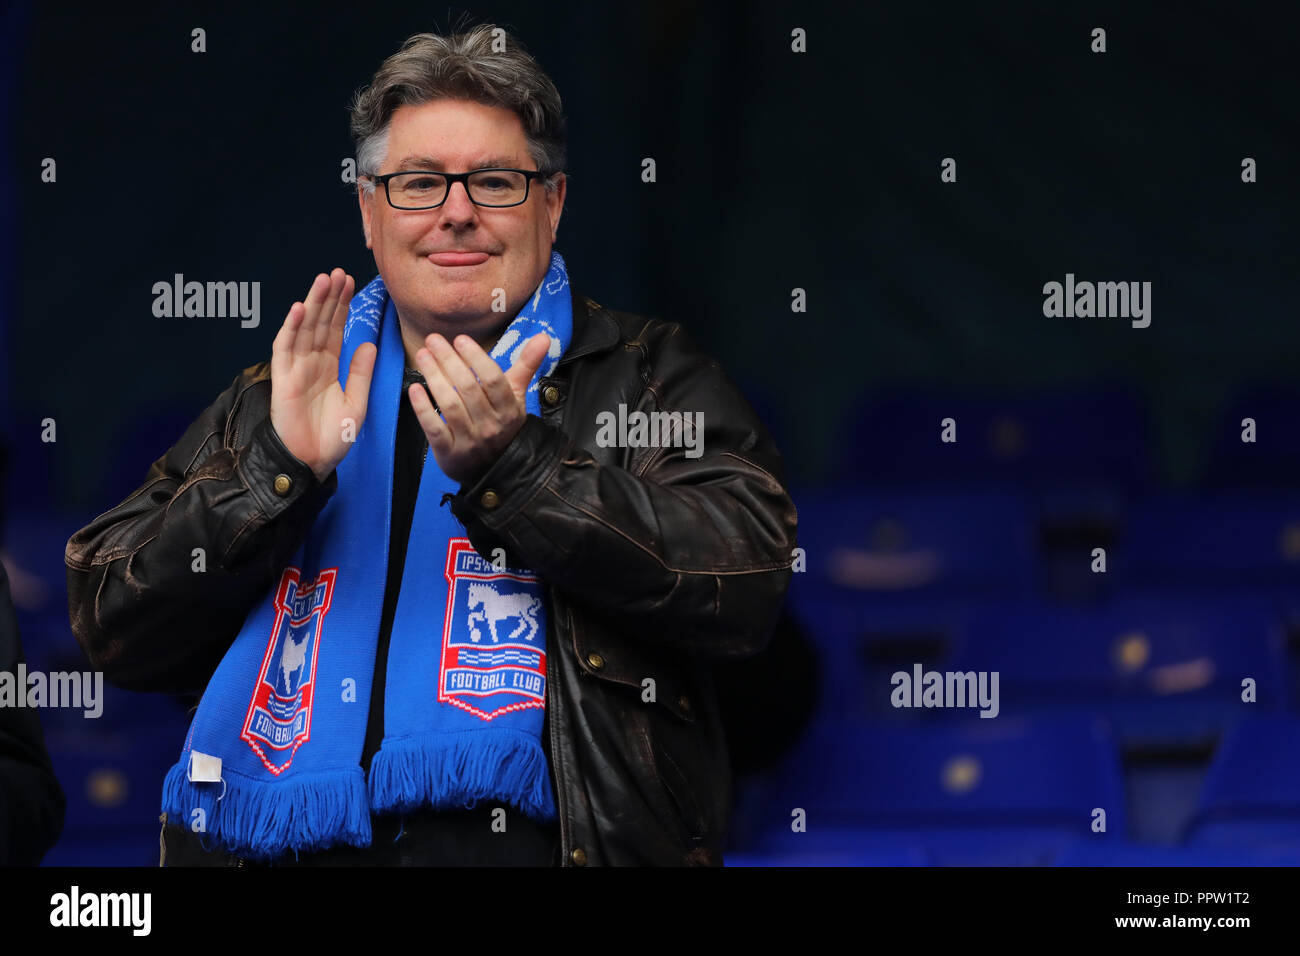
(458, 770)
(261, 820)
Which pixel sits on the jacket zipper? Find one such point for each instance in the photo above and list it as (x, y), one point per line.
(555, 740)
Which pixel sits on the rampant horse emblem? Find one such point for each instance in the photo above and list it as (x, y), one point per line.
(504, 604)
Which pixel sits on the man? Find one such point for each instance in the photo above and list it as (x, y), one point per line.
(536, 685)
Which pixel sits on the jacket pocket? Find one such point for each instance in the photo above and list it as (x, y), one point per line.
(682, 791)
(653, 673)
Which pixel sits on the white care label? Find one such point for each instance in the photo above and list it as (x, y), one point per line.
(204, 768)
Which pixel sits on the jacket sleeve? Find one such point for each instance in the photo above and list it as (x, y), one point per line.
(32, 804)
(149, 610)
(689, 552)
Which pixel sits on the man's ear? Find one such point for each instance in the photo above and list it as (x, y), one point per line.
(365, 211)
(555, 204)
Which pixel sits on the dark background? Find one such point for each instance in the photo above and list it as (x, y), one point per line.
(776, 170)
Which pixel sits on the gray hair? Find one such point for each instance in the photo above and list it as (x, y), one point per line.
(461, 66)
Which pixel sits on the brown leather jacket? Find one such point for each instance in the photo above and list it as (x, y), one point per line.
(656, 565)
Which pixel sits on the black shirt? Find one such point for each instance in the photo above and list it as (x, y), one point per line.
(410, 447)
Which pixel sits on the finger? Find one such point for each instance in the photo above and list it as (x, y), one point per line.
(282, 349)
(440, 438)
(461, 376)
(490, 377)
(335, 342)
(453, 410)
(284, 339)
(303, 343)
(530, 360)
(360, 372)
(327, 307)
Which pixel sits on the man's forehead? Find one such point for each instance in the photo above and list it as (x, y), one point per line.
(450, 135)
(474, 161)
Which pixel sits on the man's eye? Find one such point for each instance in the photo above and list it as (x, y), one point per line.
(425, 183)
(493, 182)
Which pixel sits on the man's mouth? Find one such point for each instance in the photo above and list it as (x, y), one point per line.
(458, 258)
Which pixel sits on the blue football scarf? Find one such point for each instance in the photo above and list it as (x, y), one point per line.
(272, 759)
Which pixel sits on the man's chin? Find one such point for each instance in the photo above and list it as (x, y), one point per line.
(459, 311)
(455, 300)
(453, 316)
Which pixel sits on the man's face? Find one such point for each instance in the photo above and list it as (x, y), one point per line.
(458, 136)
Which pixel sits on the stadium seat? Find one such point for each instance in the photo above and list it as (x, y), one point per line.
(1220, 540)
(1104, 853)
(1165, 668)
(1251, 798)
(883, 543)
(960, 791)
(890, 573)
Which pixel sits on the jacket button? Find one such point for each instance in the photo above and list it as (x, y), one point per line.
(490, 499)
(550, 395)
(282, 485)
(579, 856)
(596, 661)
(684, 702)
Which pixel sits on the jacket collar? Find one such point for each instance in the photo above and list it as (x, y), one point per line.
(594, 329)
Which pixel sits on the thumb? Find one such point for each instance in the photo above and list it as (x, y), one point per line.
(360, 372)
(530, 360)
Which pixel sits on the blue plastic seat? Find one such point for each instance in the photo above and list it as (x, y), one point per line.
(1164, 668)
(1251, 798)
(962, 791)
(1214, 540)
(846, 854)
(900, 569)
(870, 541)
(1108, 853)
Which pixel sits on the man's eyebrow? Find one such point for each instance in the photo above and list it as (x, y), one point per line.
(430, 162)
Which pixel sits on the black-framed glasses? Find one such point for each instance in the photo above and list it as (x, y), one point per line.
(423, 189)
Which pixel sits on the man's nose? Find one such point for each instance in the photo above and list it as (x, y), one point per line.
(457, 205)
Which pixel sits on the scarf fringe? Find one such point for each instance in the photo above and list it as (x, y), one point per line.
(460, 769)
(262, 820)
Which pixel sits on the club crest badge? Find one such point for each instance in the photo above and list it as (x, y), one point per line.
(278, 721)
(493, 637)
